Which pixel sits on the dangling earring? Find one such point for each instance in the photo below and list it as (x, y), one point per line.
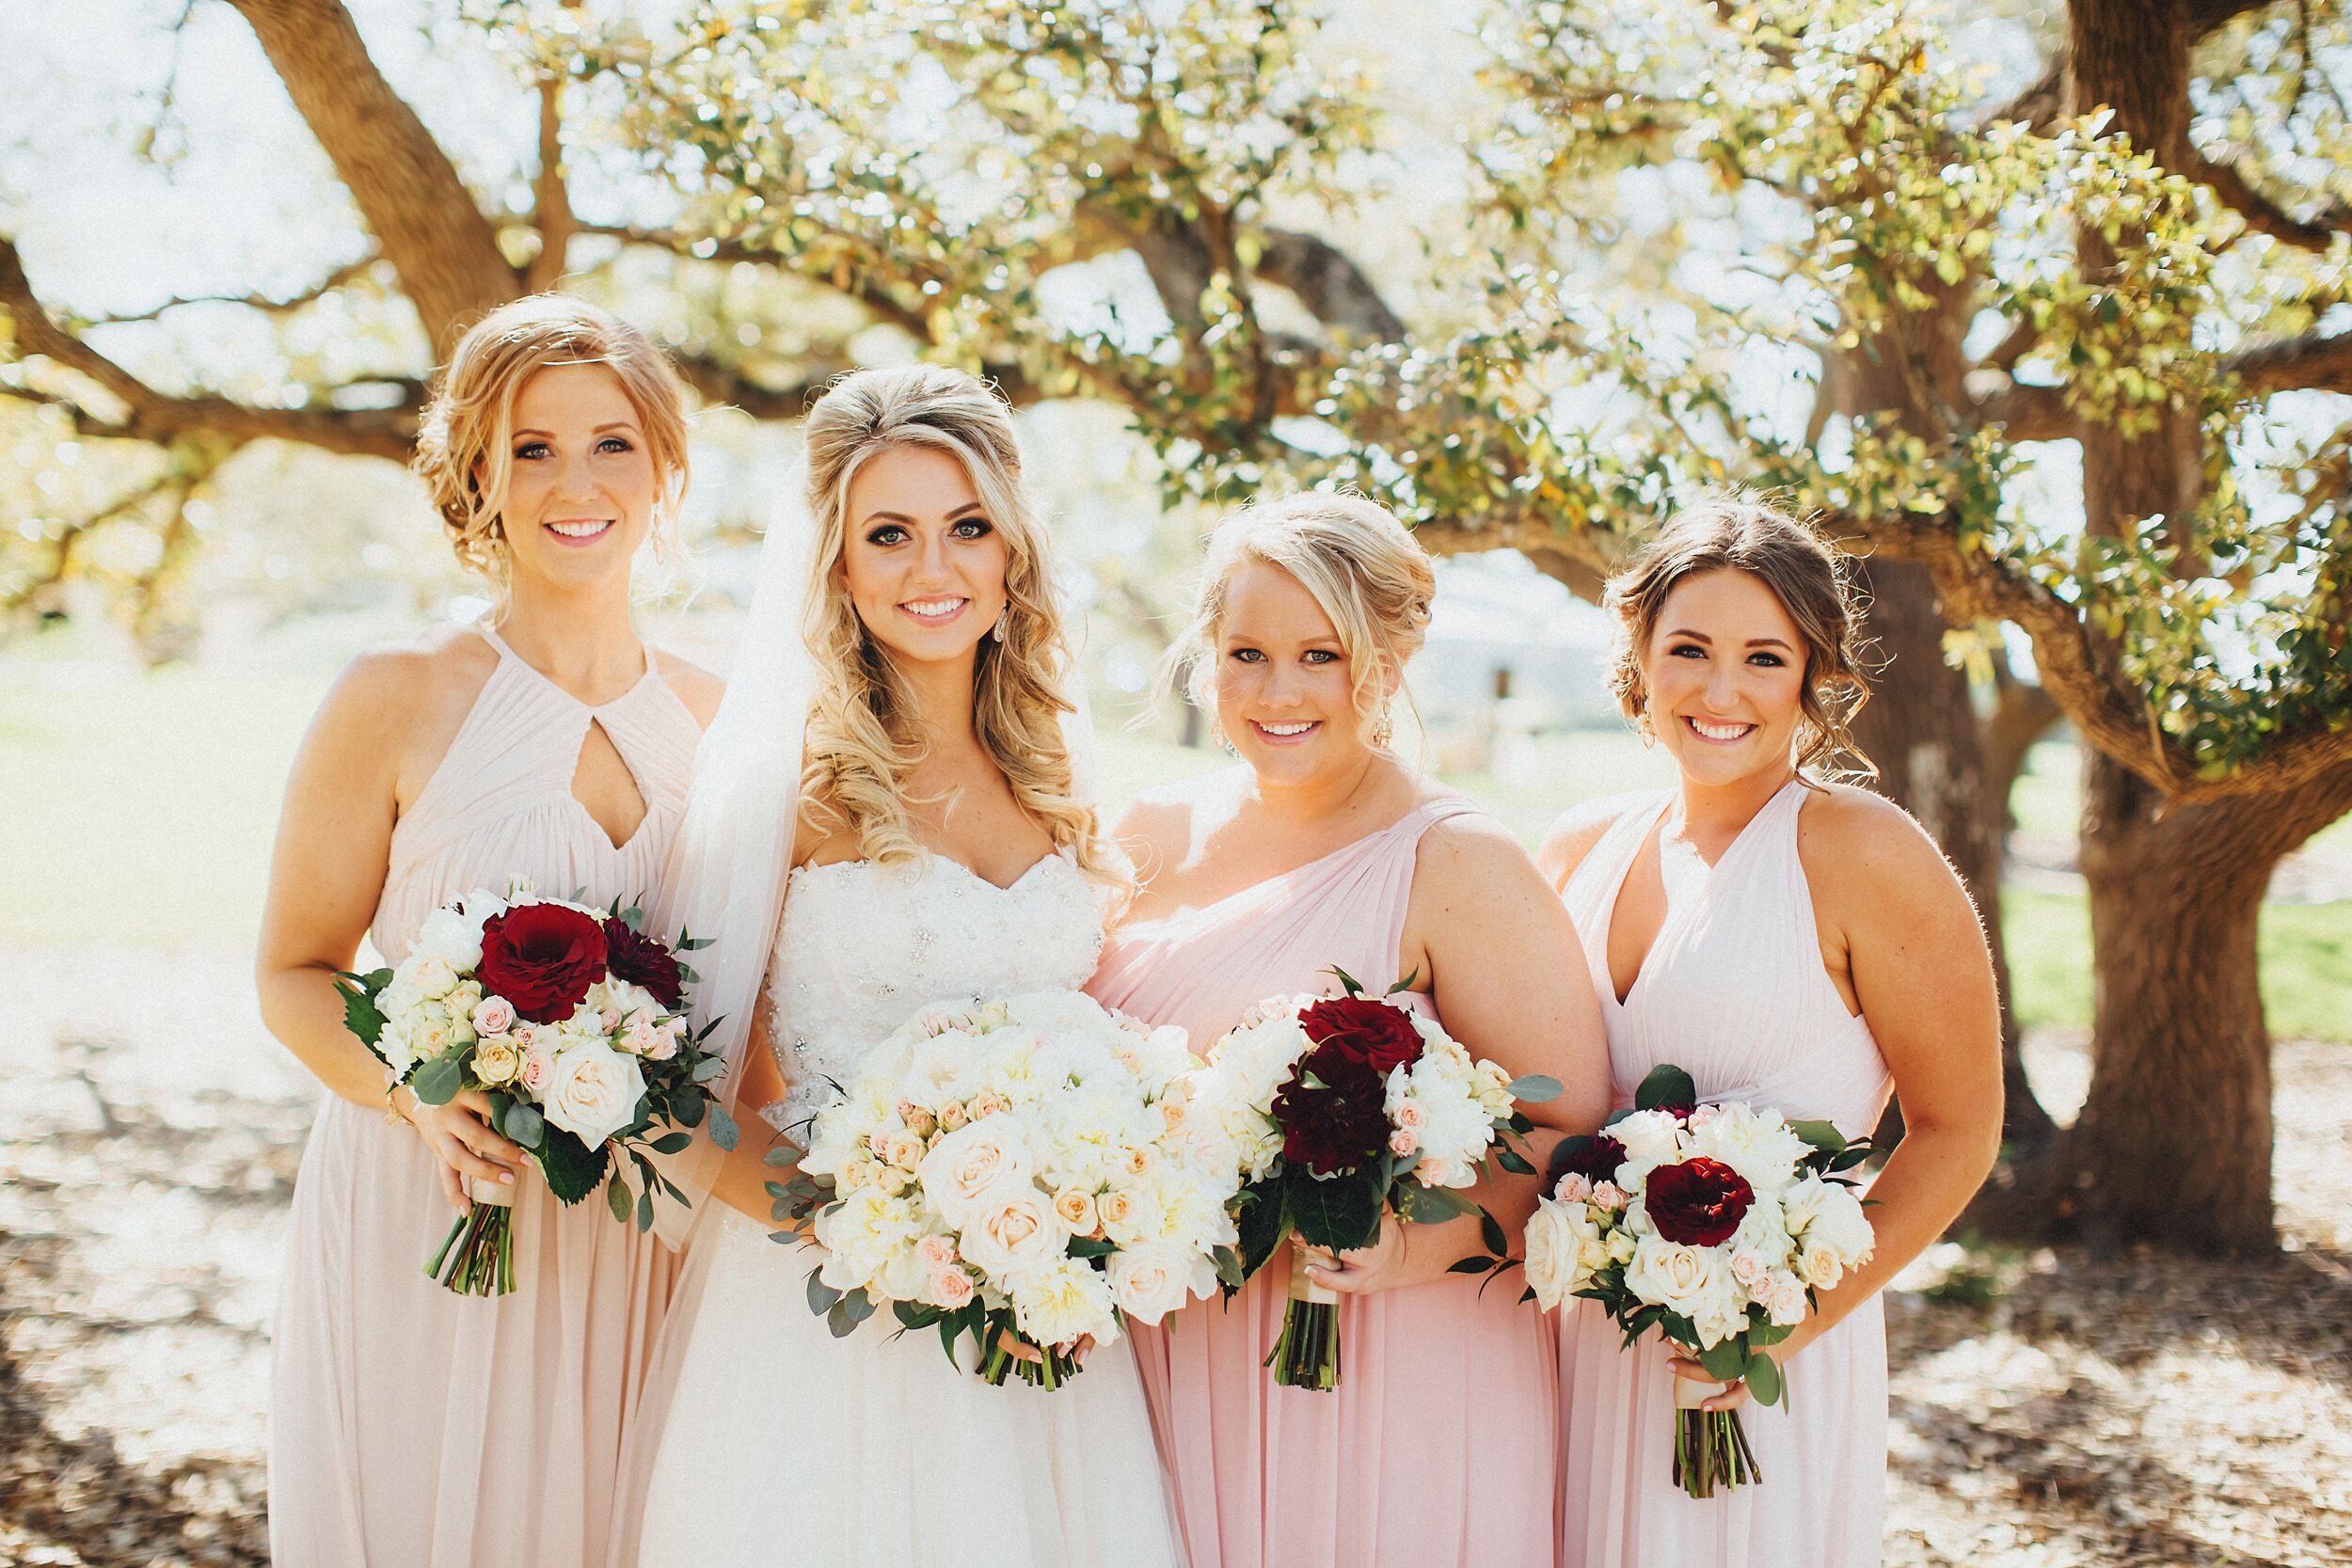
(1644, 728)
(1383, 729)
(1004, 617)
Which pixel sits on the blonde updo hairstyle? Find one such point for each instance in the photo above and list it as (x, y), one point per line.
(864, 742)
(464, 453)
(1364, 567)
(1806, 573)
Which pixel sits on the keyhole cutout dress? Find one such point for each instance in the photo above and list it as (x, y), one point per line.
(412, 1427)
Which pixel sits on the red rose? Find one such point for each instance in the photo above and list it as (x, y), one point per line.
(1340, 1124)
(1699, 1202)
(542, 958)
(638, 959)
(1379, 1036)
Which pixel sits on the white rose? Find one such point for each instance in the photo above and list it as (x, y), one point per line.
(1560, 1238)
(1061, 1301)
(1651, 1138)
(1667, 1273)
(592, 1092)
(1819, 1265)
(433, 976)
(1149, 1282)
(1785, 1300)
(1840, 1225)
(971, 1163)
(1011, 1234)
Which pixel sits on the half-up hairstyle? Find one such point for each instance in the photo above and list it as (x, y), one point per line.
(1806, 573)
(864, 742)
(464, 454)
(1363, 567)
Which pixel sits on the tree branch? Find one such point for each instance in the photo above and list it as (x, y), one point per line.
(2028, 413)
(2044, 102)
(2316, 362)
(707, 248)
(267, 304)
(153, 415)
(2076, 671)
(551, 198)
(408, 190)
(2264, 216)
(2207, 16)
(1328, 282)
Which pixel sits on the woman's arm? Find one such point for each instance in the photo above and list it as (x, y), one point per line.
(1924, 978)
(334, 841)
(1496, 952)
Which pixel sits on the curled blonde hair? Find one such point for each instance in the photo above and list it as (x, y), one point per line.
(1364, 567)
(1806, 573)
(863, 743)
(463, 453)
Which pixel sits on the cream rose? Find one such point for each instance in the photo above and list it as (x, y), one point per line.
(1075, 1210)
(970, 1166)
(1148, 1283)
(497, 1060)
(591, 1092)
(1008, 1236)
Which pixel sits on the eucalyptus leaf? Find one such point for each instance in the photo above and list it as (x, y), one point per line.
(722, 1129)
(1536, 1087)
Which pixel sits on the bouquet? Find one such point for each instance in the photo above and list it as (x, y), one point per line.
(572, 1020)
(1713, 1223)
(1338, 1110)
(1005, 1167)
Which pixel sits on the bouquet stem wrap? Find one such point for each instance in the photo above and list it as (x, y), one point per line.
(1710, 1446)
(477, 1256)
(1308, 1353)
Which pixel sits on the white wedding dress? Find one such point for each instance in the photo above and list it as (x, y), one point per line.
(783, 1445)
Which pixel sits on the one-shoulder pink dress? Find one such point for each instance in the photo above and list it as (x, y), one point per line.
(1733, 991)
(1440, 1445)
(412, 1427)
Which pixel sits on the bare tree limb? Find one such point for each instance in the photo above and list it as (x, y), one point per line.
(2317, 362)
(2028, 413)
(2207, 16)
(706, 248)
(2044, 100)
(267, 304)
(1328, 282)
(408, 190)
(151, 416)
(2264, 216)
(551, 198)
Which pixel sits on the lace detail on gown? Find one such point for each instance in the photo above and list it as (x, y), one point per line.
(863, 947)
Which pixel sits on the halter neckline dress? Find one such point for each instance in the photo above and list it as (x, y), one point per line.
(412, 1427)
(1733, 991)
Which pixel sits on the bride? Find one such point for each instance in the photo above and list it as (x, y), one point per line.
(939, 848)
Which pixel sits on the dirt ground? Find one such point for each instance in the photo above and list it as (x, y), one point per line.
(2049, 1409)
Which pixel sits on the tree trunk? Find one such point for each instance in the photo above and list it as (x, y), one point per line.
(1921, 730)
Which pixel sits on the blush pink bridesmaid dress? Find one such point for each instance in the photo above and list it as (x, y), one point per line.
(1440, 1445)
(412, 1427)
(1733, 990)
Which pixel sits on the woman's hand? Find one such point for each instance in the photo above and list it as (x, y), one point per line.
(1402, 1255)
(1735, 1394)
(1022, 1349)
(459, 1137)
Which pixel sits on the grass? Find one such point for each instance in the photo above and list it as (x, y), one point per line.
(141, 811)
(2306, 964)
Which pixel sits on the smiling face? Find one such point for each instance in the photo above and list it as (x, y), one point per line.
(923, 561)
(1285, 686)
(1725, 673)
(581, 484)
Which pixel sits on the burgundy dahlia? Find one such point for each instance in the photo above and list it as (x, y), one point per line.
(640, 960)
(1374, 1033)
(1339, 1121)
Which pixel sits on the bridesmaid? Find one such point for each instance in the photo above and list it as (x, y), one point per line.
(1795, 944)
(412, 1427)
(1323, 848)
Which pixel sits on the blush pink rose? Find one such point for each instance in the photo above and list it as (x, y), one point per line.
(1404, 1142)
(951, 1288)
(493, 1014)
